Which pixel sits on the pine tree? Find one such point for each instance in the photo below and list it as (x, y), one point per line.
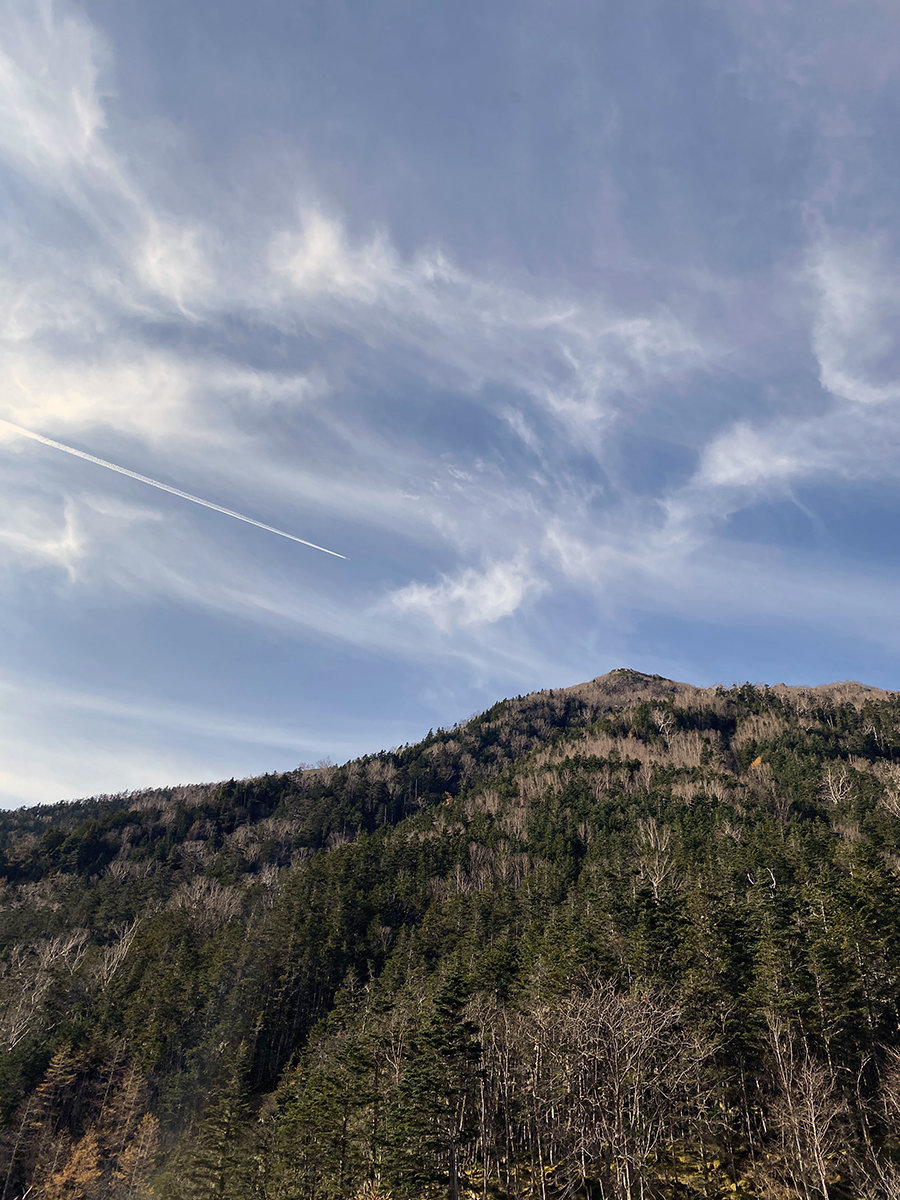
(219, 1162)
(434, 1109)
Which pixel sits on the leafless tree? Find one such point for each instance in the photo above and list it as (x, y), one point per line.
(614, 1077)
(115, 953)
(808, 1112)
(656, 862)
(837, 783)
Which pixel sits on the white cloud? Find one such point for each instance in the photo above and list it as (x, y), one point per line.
(848, 431)
(576, 363)
(471, 598)
(857, 314)
(171, 260)
(51, 117)
(31, 534)
(744, 457)
(131, 390)
(156, 395)
(71, 371)
(53, 129)
(77, 537)
(47, 294)
(319, 259)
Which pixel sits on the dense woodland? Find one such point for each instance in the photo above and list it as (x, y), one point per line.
(628, 940)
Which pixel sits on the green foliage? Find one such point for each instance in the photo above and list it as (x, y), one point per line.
(218, 1161)
(431, 1114)
(396, 942)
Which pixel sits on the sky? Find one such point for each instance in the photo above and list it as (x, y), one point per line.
(572, 326)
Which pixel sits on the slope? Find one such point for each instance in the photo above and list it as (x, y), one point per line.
(627, 938)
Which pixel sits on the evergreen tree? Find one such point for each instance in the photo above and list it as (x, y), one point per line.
(434, 1109)
(219, 1161)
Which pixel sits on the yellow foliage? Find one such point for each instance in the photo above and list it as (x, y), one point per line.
(77, 1178)
(136, 1159)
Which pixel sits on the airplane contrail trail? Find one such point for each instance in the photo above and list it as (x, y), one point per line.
(163, 487)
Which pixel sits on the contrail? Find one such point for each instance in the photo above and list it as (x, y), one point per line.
(163, 487)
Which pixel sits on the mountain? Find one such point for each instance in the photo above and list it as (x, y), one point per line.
(631, 939)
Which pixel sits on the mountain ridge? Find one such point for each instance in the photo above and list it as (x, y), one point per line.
(616, 685)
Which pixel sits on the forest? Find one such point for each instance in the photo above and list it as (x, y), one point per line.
(623, 941)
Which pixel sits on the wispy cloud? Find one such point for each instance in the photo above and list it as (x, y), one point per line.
(54, 72)
(51, 115)
(578, 358)
(157, 742)
(30, 536)
(857, 310)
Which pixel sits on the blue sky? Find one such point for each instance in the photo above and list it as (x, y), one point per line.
(573, 326)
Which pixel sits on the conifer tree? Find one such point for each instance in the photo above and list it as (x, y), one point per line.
(79, 1176)
(131, 1176)
(219, 1163)
(435, 1106)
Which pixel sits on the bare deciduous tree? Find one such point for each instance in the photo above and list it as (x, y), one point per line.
(809, 1111)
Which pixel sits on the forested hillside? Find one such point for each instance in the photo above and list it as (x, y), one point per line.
(629, 939)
